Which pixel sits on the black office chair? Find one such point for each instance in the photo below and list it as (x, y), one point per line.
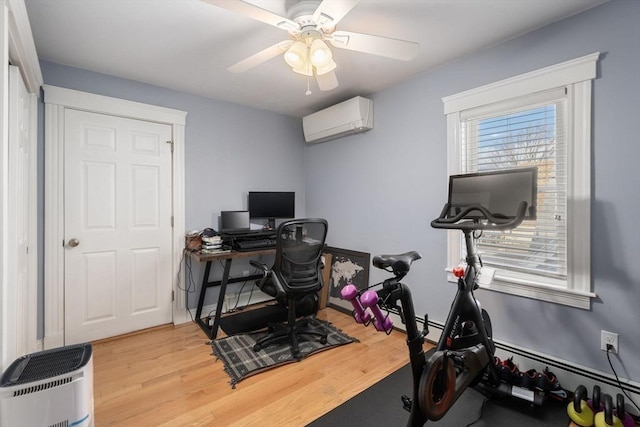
(294, 280)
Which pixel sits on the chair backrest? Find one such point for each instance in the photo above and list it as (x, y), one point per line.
(298, 254)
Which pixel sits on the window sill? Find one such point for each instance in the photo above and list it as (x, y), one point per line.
(542, 293)
(538, 291)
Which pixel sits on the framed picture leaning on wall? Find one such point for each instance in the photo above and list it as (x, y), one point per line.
(347, 266)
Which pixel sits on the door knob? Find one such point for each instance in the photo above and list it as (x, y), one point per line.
(74, 242)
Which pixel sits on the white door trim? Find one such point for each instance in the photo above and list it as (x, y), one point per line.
(22, 48)
(56, 101)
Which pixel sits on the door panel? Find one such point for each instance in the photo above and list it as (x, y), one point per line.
(118, 207)
(99, 271)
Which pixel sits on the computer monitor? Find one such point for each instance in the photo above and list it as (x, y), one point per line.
(234, 221)
(499, 191)
(272, 205)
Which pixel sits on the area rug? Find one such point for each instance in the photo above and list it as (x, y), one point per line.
(240, 361)
(381, 406)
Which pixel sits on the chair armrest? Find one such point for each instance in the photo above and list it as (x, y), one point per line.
(269, 282)
(266, 273)
(260, 266)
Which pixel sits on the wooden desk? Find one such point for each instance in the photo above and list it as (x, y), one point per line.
(212, 331)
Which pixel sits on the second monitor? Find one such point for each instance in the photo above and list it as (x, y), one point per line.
(271, 205)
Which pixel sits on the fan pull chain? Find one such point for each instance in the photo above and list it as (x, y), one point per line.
(308, 59)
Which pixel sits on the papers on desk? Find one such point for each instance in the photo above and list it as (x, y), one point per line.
(213, 245)
(213, 240)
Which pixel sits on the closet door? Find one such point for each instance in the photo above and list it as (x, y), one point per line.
(20, 300)
(117, 219)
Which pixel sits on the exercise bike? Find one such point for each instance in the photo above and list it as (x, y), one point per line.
(464, 354)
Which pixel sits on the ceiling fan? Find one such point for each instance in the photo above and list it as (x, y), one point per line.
(312, 23)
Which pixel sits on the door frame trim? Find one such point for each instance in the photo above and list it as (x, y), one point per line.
(57, 100)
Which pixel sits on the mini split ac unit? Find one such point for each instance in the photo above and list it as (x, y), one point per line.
(354, 115)
(51, 388)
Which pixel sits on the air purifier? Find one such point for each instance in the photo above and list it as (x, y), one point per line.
(51, 388)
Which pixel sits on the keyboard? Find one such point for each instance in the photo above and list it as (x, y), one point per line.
(253, 244)
(239, 232)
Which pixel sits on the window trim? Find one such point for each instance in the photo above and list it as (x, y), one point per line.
(576, 75)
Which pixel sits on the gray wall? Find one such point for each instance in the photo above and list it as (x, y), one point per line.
(229, 150)
(380, 190)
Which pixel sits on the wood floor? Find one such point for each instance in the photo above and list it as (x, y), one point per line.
(167, 377)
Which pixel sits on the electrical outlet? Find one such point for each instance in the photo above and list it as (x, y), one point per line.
(611, 338)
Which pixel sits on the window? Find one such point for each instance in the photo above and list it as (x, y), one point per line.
(537, 119)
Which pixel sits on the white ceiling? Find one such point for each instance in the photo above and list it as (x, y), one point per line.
(187, 45)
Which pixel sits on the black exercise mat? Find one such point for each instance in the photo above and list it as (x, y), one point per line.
(252, 320)
(240, 361)
(381, 406)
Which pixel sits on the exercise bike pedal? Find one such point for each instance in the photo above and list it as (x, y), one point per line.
(407, 403)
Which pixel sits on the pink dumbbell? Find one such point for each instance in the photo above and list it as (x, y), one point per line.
(350, 293)
(369, 299)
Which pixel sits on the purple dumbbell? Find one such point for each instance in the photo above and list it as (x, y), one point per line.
(369, 299)
(350, 293)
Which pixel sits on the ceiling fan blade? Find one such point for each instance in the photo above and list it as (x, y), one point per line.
(330, 12)
(256, 12)
(260, 57)
(376, 45)
(327, 81)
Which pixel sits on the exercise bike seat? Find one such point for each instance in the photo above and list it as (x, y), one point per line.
(399, 264)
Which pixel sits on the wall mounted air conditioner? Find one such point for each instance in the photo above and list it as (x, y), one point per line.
(354, 115)
(51, 388)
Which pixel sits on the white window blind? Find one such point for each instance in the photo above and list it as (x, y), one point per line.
(530, 131)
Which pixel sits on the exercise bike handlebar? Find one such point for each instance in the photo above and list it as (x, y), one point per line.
(493, 221)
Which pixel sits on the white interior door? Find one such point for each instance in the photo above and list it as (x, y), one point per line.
(117, 220)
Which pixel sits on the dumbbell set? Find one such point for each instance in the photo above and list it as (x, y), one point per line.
(366, 309)
(599, 410)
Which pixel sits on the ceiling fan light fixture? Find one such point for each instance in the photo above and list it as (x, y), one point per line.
(321, 55)
(306, 69)
(296, 55)
(312, 35)
(330, 66)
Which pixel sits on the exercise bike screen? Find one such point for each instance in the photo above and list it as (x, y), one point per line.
(500, 192)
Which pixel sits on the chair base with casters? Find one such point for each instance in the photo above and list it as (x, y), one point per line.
(295, 330)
